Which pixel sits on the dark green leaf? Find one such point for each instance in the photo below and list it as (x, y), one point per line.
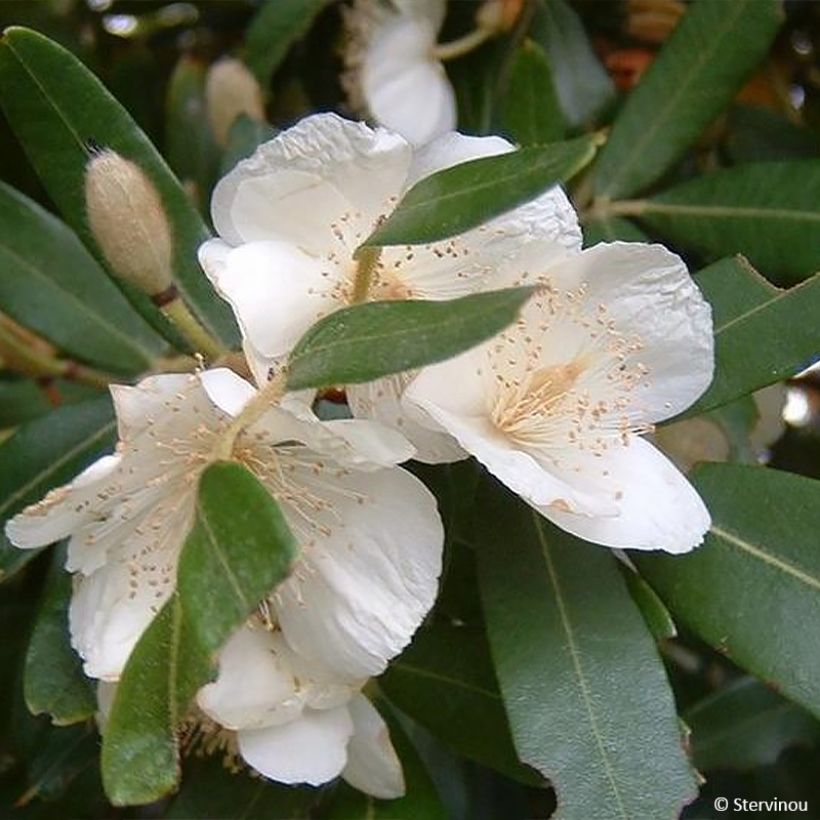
(277, 25)
(753, 588)
(420, 802)
(245, 136)
(585, 691)
(365, 342)
(746, 725)
(750, 314)
(767, 211)
(757, 134)
(44, 454)
(53, 285)
(654, 612)
(23, 400)
(445, 682)
(612, 229)
(459, 198)
(238, 550)
(696, 74)
(53, 681)
(55, 105)
(532, 114)
(584, 88)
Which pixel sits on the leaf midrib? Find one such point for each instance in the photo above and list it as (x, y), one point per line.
(757, 212)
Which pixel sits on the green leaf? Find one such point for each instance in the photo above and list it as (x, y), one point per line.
(693, 78)
(757, 134)
(276, 26)
(45, 454)
(585, 691)
(420, 802)
(532, 114)
(55, 105)
(23, 400)
(239, 549)
(584, 88)
(459, 198)
(53, 285)
(53, 681)
(768, 211)
(245, 136)
(746, 725)
(754, 586)
(752, 315)
(612, 229)
(364, 342)
(445, 682)
(655, 614)
(190, 147)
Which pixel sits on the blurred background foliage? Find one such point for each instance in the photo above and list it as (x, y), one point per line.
(153, 56)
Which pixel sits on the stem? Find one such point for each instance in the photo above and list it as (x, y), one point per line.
(464, 45)
(199, 338)
(602, 208)
(367, 259)
(266, 398)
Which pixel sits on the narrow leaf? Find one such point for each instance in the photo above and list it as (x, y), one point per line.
(23, 399)
(754, 586)
(767, 211)
(238, 550)
(752, 315)
(54, 106)
(53, 285)
(586, 693)
(365, 342)
(612, 229)
(696, 74)
(459, 198)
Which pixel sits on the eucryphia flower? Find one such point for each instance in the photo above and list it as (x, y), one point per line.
(291, 217)
(617, 339)
(393, 67)
(370, 555)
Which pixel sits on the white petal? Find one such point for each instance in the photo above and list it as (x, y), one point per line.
(369, 571)
(648, 292)
(373, 766)
(381, 400)
(137, 406)
(326, 180)
(227, 390)
(311, 749)
(657, 507)
(277, 292)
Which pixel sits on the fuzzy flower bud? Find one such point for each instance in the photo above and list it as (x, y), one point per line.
(231, 90)
(128, 222)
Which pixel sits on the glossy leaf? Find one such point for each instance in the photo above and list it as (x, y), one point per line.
(746, 725)
(697, 72)
(754, 585)
(445, 682)
(532, 114)
(655, 614)
(53, 681)
(585, 691)
(583, 86)
(238, 550)
(752, 315)
(365, 342)
(55, 105)
(276, 26)
(767, 211)
(456, 199)
(45, 454)
(53, 285)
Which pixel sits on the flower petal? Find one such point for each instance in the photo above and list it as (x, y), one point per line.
(311, 749)
(137, 406)
(657, 507)
(371, 557)
(373, 767)
(227, 390)
(324, 181)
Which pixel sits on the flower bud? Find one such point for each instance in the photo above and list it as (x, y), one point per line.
(231, 90)
(129, 224)
(498, 15)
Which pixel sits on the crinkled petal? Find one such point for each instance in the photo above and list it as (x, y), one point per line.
(320, 184)
(658, 509)
(311, 749)
(371, 556)
(373, 767)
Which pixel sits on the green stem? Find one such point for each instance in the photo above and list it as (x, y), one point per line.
(464, 45)
(199, 338)
(602, 208)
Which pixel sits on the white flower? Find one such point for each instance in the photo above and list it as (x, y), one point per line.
(291, 217)
(393, 67)
(369, 534)
(618, 338)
